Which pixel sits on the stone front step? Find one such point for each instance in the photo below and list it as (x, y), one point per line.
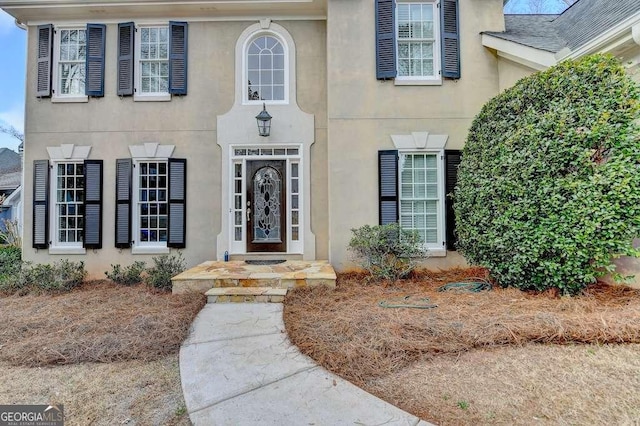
(246, 295)
(238, 274)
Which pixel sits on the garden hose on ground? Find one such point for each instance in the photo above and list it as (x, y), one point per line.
(473, 285)
(405, 302)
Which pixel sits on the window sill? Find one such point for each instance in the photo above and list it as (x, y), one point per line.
(152, 98)
(272, 102)
(69, 99)
(150, 250)
(417, 82)
(67, 250)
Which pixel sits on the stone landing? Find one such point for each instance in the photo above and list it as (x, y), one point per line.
(239, 281)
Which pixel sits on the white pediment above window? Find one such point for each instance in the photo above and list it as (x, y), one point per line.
(151, 150)
(68, 151)
(420, 140)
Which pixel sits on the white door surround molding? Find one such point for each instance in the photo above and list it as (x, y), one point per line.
(290, 126)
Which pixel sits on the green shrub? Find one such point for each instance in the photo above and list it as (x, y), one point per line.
(548, 189)
(386, 251)
(60, 276)
(10, 261)
(128, 275)
(166, 266)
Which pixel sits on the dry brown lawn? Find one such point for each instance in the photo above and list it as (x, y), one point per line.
(497, 357)
(105, 351)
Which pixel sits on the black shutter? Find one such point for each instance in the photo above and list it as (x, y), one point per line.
(92, 204)
(388, 186)
(385, 39)
(177, 202)
(178, 58)
(450, 29)
(126, 33)
(45, 50)
(452, 159)
(123, 202)
(94, 85)
(41, 204)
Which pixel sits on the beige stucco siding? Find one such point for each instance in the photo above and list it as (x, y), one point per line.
(364, 112)
(510, 72)
(111, 124)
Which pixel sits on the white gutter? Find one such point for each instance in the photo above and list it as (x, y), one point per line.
(20, 25)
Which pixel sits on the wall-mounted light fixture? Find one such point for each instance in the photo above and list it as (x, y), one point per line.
(264, 121)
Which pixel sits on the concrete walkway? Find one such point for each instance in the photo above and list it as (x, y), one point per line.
(239, 368)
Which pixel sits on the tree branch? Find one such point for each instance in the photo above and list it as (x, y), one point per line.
(11, 131)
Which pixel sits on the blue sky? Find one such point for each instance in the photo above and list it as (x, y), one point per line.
(12, 74)
(13, 62)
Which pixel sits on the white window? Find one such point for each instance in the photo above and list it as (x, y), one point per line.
(150, 204)
(265, 69)
(422, 196)
(68, 209)
(418, 45)
(70, 55)
(152, 67)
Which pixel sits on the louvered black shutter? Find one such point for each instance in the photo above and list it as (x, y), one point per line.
(123, 202)
(126, 33)
(385, 39)
(40, 204)
(45, 49)
(178, 58)
(92, 204)
(94, 85)
(177, 202)
(450, 29)
(388, 186)
(452, 159)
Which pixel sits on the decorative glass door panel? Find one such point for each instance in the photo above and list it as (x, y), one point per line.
(266, 206)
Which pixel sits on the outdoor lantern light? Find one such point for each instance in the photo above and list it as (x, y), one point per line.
(264, 121)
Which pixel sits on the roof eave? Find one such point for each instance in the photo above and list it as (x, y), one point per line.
(536, 59)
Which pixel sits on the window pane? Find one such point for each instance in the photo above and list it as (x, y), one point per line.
(278, 77)
(278, 62)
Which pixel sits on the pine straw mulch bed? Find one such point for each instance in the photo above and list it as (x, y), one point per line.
(98, 322)
(346, 331)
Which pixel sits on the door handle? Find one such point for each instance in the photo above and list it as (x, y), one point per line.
(248, 214)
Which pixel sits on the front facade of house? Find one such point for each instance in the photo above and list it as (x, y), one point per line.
(141, 136)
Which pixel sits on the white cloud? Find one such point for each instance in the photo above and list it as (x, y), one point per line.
(7, 23)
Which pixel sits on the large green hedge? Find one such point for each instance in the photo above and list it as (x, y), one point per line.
(549, 185)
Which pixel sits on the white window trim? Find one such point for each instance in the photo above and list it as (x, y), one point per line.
(137, 95)
(64, 153)
(435, 80)
(138, 247)
(265, 26)
(57, 247)
(56, 96)
(287, 68)
(293, 247)
(439, 248)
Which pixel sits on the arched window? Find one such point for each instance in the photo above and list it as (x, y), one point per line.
(265, 69)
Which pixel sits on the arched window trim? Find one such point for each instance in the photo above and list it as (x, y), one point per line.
(242, 49)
